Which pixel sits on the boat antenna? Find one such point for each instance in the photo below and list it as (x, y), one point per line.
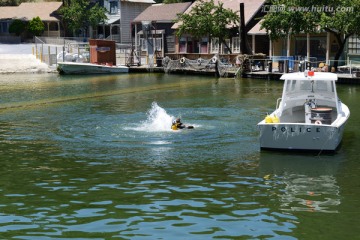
(312, 86)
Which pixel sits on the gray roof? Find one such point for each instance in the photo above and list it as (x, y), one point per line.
(28, 11)
(162, 12)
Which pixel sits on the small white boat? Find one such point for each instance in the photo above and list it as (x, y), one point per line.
(309, 116)
(89, 68)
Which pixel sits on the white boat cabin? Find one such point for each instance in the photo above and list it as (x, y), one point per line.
(309, 97)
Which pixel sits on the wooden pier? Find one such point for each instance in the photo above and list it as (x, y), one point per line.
(342, 78)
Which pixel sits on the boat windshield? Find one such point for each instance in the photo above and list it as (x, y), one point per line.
(300, 87)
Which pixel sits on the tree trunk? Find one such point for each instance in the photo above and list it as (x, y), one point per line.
(342, 43)
(224, 42)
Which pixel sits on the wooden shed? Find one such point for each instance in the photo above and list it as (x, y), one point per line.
(102, 52)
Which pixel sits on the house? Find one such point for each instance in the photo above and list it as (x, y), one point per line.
(113, 29)
(319, 48)
(27, 11)
(353, 49)
(159, 19)
(121, 14)
(187, 44)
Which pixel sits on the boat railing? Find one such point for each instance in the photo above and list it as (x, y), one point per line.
(351, 67)
(53, 49)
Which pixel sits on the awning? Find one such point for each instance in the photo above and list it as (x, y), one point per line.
(153, 32)
(111, 19)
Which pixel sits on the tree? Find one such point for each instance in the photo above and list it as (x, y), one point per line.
(79, 15)
(206, 18)
(9, 3)
(339, 17)
(36, 26)
(17, 27)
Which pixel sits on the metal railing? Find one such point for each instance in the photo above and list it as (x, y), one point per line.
(52, 50)
(283, 64)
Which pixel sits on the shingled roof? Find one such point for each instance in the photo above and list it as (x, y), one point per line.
(257, 31)
(28, 11)
(251, 8)
(162, 12)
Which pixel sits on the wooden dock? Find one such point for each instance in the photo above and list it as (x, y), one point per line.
(342, 77)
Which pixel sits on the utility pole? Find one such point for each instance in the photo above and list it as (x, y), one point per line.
(244, 48)
(242, 29)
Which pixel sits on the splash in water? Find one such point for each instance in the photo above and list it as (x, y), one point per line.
(157, 120)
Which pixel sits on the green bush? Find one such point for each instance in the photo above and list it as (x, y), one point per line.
(36, 26)
(17, 27)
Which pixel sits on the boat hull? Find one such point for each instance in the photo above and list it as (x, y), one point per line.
(300, 136)
(89, 68)
(308, 116)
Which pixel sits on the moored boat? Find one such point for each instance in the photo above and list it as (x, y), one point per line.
(89, 68)
(102, 60)
(309, 116)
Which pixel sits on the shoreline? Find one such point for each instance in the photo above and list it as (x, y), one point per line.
(18, 58)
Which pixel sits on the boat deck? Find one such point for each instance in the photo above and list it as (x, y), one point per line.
(297, 115)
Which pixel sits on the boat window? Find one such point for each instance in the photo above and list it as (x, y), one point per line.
(305, 86)
(321, 86)
(288, 84)
(296, 87)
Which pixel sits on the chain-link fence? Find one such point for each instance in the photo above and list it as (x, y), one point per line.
(53, 50)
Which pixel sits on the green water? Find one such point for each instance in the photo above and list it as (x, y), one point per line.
(94, 158)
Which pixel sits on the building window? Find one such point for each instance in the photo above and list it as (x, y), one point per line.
(113, 7)
(215, 45)
(157, 42)
(354, 45)
(236, 45)
(4, 27)
(204, 45)
(226, 48)
(143, 44)
(317, 48)
(53, 26)
(182, 45)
